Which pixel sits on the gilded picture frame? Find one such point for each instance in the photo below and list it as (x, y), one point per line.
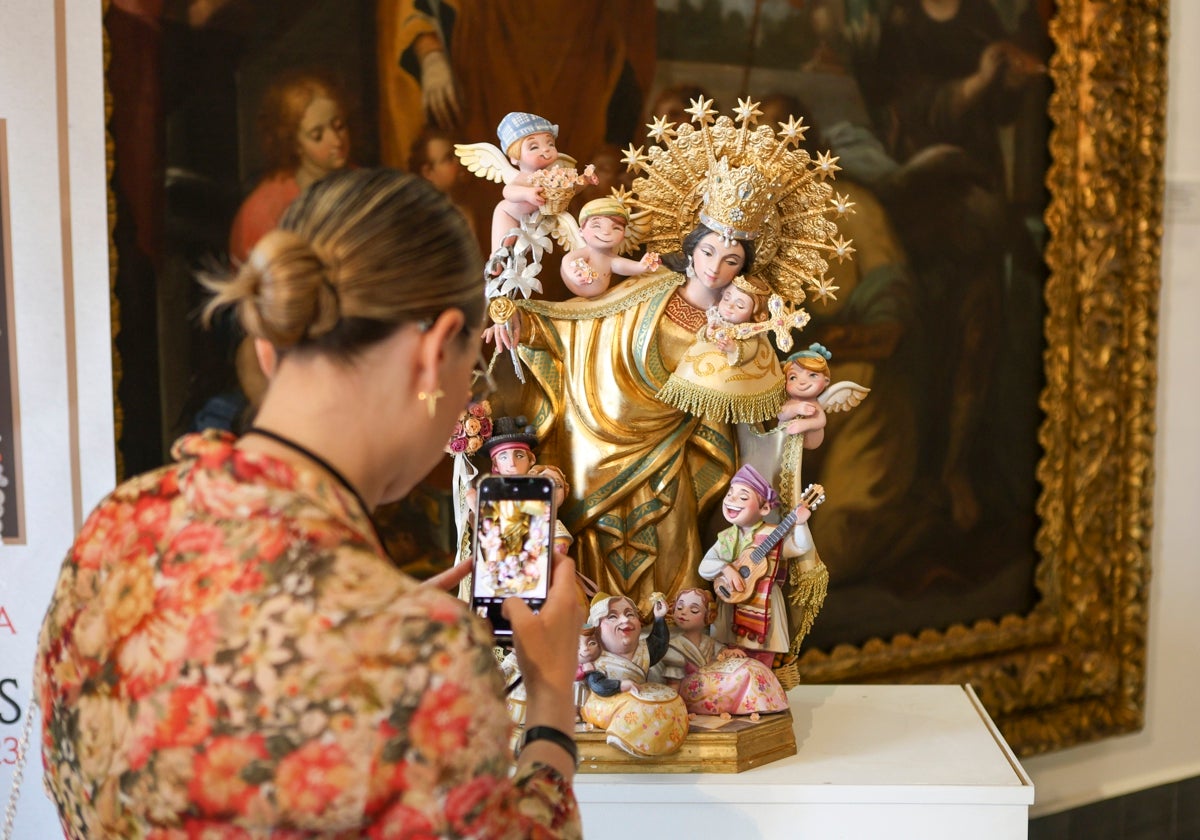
(1072, 669)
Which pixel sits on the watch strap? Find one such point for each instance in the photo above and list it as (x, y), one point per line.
(554, 736)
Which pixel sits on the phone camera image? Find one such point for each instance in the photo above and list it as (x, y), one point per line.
(514, 536)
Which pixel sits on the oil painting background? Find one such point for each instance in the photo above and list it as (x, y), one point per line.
(930, 512)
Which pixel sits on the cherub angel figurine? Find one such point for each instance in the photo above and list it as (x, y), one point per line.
(527, 150)
(731, 372)
(588, 269)
(810, 395)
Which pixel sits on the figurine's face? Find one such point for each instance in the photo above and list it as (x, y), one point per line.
(715, 263)
(514, 461)
(743, 507)
(620, 627)
(589, 648)
(805, 384)
(689, 611)
(606, 232)
(443, 169)
(735, 306)
(537, 151)
(323, 140)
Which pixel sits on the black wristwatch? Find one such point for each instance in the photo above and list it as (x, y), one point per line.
(554, 736)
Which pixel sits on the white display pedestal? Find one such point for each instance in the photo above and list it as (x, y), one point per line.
(873, 761)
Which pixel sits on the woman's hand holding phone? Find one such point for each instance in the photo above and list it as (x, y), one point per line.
(547, 648)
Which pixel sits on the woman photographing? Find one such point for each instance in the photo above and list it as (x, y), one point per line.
(229, 651)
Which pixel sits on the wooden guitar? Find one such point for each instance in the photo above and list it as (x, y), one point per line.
(752, 563)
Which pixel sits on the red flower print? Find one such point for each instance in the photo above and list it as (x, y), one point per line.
(187, 718)
(439, 725)
(312, 777)
(403, 822)
(217, 788)
(467, 804)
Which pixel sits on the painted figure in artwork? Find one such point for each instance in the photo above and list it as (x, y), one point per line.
(761, 571)
(725, 374)
(640, 717)
(303, 135)
(432, 157)
(587, 270)
(303, 132)
(711, 677)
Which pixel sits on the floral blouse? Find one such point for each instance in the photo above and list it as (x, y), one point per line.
(229, 655)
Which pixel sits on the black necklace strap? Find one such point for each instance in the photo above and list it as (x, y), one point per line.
(329, 468)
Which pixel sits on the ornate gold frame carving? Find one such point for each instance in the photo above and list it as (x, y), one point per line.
(1073, 669)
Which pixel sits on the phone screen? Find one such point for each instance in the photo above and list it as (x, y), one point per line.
(514, 538)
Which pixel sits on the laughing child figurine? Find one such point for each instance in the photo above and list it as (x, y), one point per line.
(755, 587)
(726, 377)
(587, 271)
(640, 717)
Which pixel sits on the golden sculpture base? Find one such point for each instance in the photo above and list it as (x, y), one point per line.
(712, 746)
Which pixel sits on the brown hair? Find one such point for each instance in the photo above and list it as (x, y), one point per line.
(356, 255)
(418, 154)
(282, 110)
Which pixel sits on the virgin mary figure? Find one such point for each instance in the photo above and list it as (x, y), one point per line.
(719, 200)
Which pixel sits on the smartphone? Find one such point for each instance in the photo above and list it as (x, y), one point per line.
(514, 541)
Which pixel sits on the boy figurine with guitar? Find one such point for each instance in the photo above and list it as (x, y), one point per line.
(754, 566)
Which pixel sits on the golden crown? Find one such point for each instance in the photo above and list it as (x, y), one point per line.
(750, 284)
(743, 181)
(735, 200)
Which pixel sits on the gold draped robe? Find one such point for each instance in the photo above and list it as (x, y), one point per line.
(643, 475)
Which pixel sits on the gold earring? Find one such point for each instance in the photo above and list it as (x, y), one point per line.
(432, 398)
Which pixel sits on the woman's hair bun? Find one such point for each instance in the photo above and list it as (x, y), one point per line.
(286, 291)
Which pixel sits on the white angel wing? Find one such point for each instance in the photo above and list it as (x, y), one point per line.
(487, 161)
(842, 396)
(566, 232)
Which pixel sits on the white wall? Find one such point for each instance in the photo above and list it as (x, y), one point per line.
(1168, 748)
(52, 109)
(51, 105)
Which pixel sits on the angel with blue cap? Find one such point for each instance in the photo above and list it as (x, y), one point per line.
(525, 162)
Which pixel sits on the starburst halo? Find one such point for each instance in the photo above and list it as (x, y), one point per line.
(798, 234)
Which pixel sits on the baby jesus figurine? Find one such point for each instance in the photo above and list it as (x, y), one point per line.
(730, 374)
(587, 270)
